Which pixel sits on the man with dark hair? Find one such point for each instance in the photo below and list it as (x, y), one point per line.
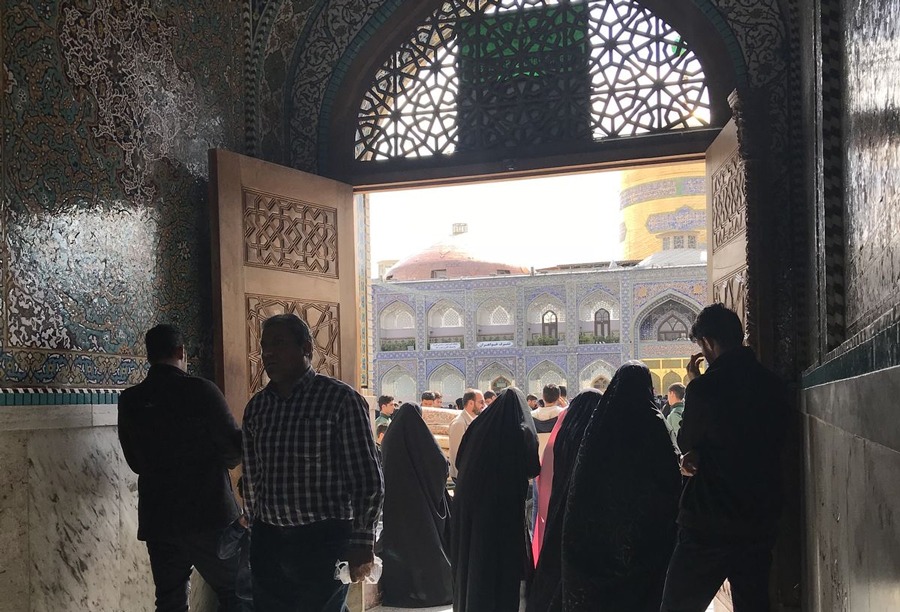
(734, 420)
(427, 399)
(532, 401)
(489, 397)
(179, 437)
(563, 400)
(311, 475)
(675, 401)
(386, 407)
(438, 400)
(473, 404)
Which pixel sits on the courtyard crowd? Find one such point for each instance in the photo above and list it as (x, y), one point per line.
(607, 503)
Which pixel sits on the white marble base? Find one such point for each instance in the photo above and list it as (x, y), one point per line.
(68, 514)
(14, 560)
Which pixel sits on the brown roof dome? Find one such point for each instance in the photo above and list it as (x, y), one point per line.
(451, 257)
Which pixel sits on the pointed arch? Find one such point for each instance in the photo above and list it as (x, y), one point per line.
(495, 312)
(445, 314)
(400, 383)
(543, 303)
(591, 303)
(669, 303)
(670, 378)
(397, 316)
(448, 380)
(545, 373)
(596, 374)
(495, 373)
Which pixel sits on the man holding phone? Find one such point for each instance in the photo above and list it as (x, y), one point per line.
(734, 420)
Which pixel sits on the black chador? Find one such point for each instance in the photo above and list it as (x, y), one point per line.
(416, 566)
(619, 527)
(491, 551)
(545, 594)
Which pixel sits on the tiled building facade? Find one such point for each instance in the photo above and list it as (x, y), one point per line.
(493, 332)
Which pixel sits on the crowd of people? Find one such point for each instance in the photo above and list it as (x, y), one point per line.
(601, 504)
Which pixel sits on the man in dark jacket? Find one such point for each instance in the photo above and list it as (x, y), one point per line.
(180, 438)
(734, 420)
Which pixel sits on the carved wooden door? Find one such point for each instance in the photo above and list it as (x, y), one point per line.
(727, 222)
(282, 241)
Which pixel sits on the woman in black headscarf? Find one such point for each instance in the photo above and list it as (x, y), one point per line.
(416, 570)
(619, 526)
(491, 552)
(545, 594)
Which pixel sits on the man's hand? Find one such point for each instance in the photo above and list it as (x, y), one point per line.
(693, 367)
(690, 463)
(360, 562)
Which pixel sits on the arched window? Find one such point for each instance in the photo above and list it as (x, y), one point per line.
(500, 383)
(493, 374)
(480, 74)
(669, 379)
(500, 316)
(549, 325)
(601, 323)
(444, 314)
(449, 381)
(398, 316)
(600, 383)
(667, 320)
(672, 328)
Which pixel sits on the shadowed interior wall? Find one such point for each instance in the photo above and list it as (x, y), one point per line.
(852, 434)
(108, 109)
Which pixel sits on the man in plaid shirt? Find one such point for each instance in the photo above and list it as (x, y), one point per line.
(312, 480)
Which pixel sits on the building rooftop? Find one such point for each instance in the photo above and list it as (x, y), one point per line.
(455, 256)
(674, 257)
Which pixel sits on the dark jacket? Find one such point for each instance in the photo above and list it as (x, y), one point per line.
(735, 417)
(180, 438)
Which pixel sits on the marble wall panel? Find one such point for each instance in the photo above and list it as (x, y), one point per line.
(829, 455)
(14, 566)
(852, 501)
(74, 519)
(880, 522)
(137, 591)
(871, 193)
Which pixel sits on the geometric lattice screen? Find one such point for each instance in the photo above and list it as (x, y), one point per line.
(482, 74)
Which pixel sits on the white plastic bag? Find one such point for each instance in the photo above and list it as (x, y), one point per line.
(342, 572)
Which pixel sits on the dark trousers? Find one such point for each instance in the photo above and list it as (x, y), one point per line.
(293, 567)
(701, 563)
(171, 559)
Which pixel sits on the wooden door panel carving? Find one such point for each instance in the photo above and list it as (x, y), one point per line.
(290, 235)
(324, 324)
(732, 291)
(282, 241)
(727, 222)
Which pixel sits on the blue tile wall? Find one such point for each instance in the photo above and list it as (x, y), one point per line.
(109, 110)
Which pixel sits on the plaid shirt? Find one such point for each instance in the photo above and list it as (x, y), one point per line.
(312, 457)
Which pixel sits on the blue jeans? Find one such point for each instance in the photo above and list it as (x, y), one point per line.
(293, 567)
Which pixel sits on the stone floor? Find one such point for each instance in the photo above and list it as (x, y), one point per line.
(446, 609)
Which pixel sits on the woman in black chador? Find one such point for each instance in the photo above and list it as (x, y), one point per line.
(545, 594)
(619, 527)
(416, 568)
(491, 551)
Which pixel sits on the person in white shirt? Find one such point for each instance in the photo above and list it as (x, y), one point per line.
(473, 404)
